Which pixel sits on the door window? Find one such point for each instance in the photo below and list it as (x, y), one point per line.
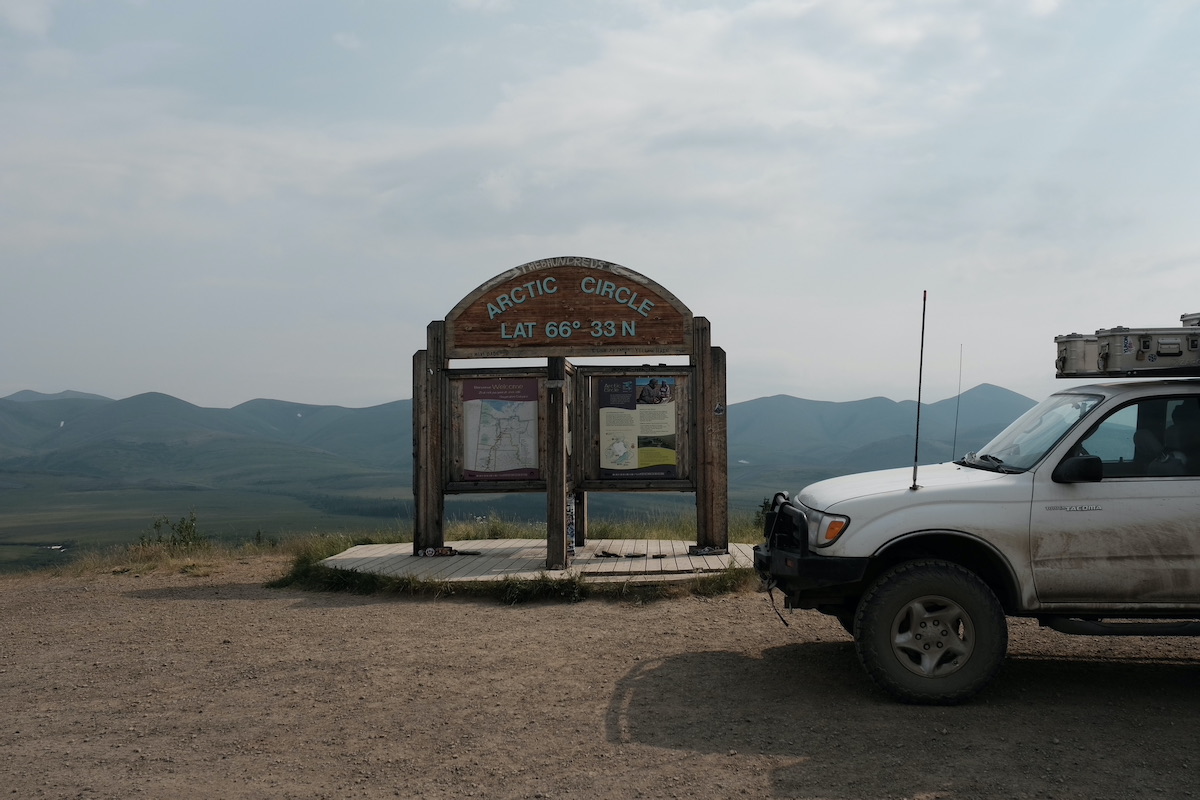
(1156, 437)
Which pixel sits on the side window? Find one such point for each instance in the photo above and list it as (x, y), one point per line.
(1181, 438)
(1151, 438)
(1113, 439)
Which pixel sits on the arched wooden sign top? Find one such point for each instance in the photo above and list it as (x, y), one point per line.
(569, 306)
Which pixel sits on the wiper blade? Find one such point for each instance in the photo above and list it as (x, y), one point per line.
(987, 461)
(999, 464)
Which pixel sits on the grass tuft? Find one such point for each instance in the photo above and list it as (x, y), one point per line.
(199, 556)
(572, 589)
(493, 526)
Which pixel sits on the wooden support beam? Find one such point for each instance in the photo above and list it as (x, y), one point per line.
(429, 395)
(712, 456)
(716, 429)
(557, 555)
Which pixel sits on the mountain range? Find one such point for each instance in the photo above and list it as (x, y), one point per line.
(160, 438)
(78, 462)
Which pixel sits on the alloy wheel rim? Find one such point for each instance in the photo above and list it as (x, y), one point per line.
(932, 636)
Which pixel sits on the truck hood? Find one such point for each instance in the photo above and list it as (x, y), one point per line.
(825, 495)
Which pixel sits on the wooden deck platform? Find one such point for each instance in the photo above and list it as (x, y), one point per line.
(639, 560)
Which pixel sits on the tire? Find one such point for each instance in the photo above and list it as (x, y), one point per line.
(931, 632)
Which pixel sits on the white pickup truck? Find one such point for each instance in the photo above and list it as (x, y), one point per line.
(1083, 514)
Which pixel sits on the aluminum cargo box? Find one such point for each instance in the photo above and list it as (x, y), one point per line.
(1077, 355)
(1133, 352)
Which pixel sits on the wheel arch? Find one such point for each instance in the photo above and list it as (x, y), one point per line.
(969, 552)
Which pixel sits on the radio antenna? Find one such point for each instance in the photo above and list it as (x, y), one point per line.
(957, 405)
(920, 380)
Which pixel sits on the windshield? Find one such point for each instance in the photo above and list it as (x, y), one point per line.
(1023, 443)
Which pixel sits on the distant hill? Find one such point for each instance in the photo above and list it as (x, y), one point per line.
(159, 438)
(378, 436)
(813, 439)
(77, 461)
(27, 396)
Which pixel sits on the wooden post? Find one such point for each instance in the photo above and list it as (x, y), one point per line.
(557, 556)
(717, 431)
(429, 390)
(701, 340)
(420, 441)
(712, 456)
(578, 449)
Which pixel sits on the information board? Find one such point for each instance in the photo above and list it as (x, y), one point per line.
(500, 429)
(638, 425)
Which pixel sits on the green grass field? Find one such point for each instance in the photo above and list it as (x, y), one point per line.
(48, 520)
(48, 517)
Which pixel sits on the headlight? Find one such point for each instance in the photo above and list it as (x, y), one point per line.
(824, 529)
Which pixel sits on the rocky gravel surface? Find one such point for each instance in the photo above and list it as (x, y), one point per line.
(212, 686)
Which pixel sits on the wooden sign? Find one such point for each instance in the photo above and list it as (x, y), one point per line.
(561, 429)
(570, 306)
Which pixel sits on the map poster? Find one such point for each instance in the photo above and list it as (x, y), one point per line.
(500, 429)
(637, 428)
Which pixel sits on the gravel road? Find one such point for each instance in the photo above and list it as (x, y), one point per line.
(211, 686)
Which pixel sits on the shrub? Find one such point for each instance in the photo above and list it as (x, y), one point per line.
(185, 533)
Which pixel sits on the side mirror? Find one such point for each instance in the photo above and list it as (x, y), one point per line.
(1078, 469)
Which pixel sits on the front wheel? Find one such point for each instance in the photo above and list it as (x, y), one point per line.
(931, 632)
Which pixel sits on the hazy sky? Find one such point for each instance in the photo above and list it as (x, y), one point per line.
(231, 199)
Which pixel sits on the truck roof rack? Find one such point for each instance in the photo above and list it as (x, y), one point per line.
(1131, 352)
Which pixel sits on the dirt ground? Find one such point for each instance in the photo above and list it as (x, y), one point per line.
(176, 686)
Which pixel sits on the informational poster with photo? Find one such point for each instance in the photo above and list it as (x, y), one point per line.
(637, 428)
(500, 429)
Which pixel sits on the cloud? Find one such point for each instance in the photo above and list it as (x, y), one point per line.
(795, 171)
(618, 137)
(487, 6)
(1044, 8)
(28, 17)
(349, 41)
